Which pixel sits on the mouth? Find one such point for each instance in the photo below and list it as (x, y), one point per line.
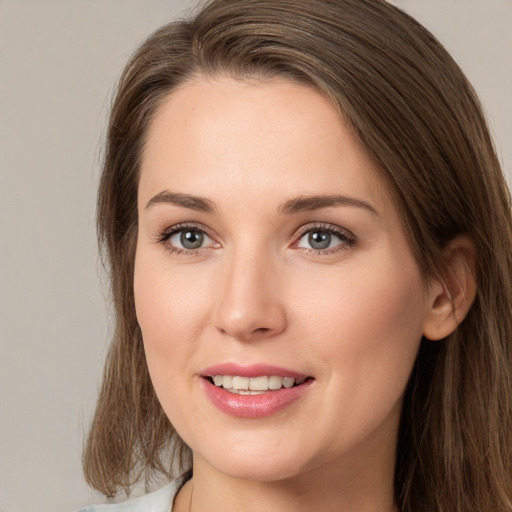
(254, 391)
(240, 385)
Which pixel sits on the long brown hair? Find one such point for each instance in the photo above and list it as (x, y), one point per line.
(417, 115)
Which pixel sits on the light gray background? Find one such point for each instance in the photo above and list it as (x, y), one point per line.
(59, 61)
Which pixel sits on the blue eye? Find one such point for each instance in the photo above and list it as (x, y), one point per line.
(322, 239)
(188, 239)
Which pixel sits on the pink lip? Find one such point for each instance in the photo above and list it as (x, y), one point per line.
(252, 406)
(254, 370)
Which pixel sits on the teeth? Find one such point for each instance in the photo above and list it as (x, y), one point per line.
(227, 381)
(258, 384)
(275, 382)
(288, 382)
(241, 383)
(246, 385)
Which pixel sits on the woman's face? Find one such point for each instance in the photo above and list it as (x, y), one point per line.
(269, 255)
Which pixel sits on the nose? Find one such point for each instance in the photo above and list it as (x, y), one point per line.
(250, 303)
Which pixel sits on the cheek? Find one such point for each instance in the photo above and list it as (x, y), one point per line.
(366, 305)
(368, 327)
(170, 311)
(168, 304)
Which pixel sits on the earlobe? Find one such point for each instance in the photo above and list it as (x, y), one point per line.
(451, 296)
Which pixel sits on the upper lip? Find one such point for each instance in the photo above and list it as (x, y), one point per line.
(253, 370)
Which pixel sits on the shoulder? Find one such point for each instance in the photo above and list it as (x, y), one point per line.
(157, 501)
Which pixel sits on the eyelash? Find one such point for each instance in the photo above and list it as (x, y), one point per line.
(347, 239)
(166, 235)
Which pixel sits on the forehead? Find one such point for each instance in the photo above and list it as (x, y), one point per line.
(245, 135)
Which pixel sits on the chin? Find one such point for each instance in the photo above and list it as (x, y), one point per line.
(255, 463)
(259, 470)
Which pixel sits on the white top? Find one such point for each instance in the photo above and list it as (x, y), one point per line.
(158, 501)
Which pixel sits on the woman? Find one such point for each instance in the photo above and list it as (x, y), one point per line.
(309, 240)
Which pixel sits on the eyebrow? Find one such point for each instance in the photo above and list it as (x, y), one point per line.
(297, 205)
(312, 203)
(199, 204)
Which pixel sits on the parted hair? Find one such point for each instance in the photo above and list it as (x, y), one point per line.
(417, 115)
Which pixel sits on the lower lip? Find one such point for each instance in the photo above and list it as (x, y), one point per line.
(254, 406)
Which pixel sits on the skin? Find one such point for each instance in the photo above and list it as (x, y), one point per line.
(351, 316)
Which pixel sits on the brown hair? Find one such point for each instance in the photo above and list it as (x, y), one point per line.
(416, 113)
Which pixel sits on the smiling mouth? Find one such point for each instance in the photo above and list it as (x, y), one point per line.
(255, 385)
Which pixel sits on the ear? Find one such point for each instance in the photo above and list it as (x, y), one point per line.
(451, 296)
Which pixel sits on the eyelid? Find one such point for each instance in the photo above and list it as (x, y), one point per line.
(164, 236)
(325, 226)
(347, 237)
